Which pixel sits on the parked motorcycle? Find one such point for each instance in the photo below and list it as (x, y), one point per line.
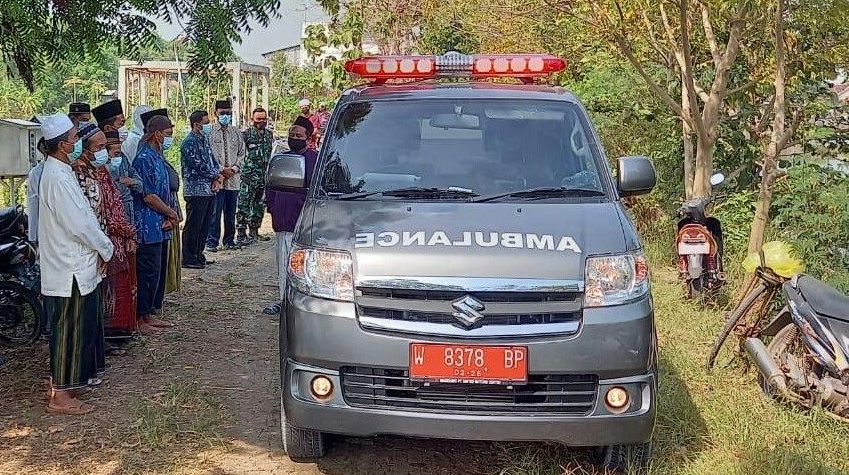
(21, 313)
(699, 244)
(807, 358)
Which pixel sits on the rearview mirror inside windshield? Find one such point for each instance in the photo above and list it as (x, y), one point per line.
(455, 121)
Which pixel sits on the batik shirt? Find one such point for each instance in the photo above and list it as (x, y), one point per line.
(198, 165)
(150, 165)
(87, 178)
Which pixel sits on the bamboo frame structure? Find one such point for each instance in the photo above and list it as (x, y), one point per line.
(250, 85)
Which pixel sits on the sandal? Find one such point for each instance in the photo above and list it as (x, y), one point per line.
(115, 351)
(94, 382)
(78, 409)
(74, 392)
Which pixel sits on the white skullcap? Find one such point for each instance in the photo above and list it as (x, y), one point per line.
(53, 126)
(304, 103)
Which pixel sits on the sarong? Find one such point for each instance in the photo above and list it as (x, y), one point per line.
(76, 338)
(175, 262)
(121, 315)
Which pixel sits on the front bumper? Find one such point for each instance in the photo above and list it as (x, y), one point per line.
(616, 345)
(337, 417)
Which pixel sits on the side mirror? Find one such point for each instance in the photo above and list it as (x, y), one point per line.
(637, 176)
(717, 178)
(286, 172)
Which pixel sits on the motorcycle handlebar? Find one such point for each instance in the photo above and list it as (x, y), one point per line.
(699, 202)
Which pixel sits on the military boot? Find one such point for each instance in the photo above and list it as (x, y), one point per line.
(256, 237)
(242, 238)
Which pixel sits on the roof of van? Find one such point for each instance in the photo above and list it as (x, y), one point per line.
(471, 89)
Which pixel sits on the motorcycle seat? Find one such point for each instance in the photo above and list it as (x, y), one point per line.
(824, 299)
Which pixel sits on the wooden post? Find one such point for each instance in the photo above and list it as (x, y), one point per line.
(236, 70)
(122, 87)
(143, 79)
(246, 107)
(254, 91)
(163, 89)
(265, 87)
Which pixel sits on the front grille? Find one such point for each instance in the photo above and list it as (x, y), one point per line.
(485, 297)
(448, 319)
(379, 388)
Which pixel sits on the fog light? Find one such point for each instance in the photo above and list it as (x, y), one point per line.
(616, 399)
(321, 387)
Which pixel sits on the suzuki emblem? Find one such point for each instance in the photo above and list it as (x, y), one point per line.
(468, 310)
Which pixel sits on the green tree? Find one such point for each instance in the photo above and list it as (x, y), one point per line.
(36, 36)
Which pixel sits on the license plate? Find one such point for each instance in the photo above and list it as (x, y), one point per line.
(685, 248)
(468, 363)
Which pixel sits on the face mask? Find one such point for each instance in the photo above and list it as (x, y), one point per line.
(167, 142)
(296, 145)
(224, 119)
(101, 157)
(260, 124)
(123, 133)
(115, 163)
(78, 150)
(206, 129)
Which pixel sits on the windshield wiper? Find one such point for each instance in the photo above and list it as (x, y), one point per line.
(540, 192)
(412, 192)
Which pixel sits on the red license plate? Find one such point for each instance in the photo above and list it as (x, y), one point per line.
(468, 363)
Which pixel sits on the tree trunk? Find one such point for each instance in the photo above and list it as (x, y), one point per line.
(705, 146)
(689, 146)
(778, 137)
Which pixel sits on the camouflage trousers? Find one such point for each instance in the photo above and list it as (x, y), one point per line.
(251, 207)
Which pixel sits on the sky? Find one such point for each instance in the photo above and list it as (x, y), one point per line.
(282, 32)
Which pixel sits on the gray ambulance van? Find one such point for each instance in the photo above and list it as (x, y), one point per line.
(464, 266)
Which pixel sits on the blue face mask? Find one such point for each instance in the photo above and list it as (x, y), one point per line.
(78, 150)
(115, 163)
(224, 119)
(167, 142)
(206, 129)
(101, 157)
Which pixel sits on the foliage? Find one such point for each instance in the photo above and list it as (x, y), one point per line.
(735, 213)
(811, 211)
(442, 36)
(37, 36)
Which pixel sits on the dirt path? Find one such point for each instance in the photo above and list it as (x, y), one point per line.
(203, 399)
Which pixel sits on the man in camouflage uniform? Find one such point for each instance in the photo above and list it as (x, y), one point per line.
(258, 143)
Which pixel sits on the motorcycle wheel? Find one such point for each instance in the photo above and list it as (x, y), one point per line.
(736, 315)
(20, 315)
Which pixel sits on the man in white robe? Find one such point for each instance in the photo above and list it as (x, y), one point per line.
(73, 251)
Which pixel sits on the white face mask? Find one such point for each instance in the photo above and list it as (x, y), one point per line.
(123, 133)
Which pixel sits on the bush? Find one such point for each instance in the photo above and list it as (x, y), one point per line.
(811, 210)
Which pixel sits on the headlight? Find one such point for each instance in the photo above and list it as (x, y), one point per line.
(321, 273)
(615, 280)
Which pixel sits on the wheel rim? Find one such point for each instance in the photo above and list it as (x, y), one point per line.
(19, 320)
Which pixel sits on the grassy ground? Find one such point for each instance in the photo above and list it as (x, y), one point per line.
(717, 422)
(202, 399)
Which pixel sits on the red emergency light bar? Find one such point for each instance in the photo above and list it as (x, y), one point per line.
(453, 64)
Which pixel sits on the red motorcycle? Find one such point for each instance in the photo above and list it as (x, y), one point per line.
(699, 245)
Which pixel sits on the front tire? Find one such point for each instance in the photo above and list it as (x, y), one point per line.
(620, 458)
(300, 444)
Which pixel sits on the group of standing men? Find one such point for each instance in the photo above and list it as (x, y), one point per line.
(104, 213)
(102, 222)
(224, 173)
